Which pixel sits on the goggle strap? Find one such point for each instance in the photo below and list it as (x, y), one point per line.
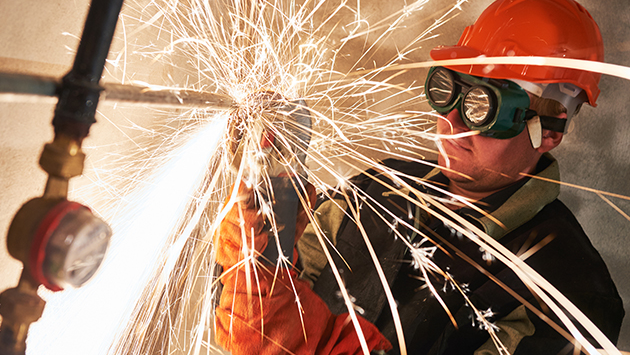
(547, 122)
(553, 123)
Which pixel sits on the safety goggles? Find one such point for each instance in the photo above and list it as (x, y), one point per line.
(494, 107)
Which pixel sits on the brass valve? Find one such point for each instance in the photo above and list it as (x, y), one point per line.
(60, 242)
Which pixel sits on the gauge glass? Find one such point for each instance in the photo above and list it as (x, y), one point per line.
(76, 249)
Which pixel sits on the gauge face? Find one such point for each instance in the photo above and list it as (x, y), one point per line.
(76, 249)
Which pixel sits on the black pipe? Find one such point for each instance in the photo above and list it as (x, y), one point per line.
(80, 89)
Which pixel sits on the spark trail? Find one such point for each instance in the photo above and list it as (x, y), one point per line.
(364, 109)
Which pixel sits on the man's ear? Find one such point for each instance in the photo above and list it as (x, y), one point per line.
(550, 140)
(543, 140)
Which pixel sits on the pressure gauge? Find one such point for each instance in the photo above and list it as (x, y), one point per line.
(68, 247)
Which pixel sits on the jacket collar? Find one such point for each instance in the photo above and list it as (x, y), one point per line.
(512, 206)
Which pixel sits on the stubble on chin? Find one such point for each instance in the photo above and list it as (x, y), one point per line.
(454, 172)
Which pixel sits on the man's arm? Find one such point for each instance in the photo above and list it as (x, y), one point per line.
(264, 310)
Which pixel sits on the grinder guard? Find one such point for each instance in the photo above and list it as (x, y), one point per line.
(277, 148)
(286, 180)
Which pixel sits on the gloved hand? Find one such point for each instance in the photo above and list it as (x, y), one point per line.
(244, 224)
(284, 316)
(258, 314)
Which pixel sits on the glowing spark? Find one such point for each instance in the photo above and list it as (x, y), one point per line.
(587, 65)
(482, 320)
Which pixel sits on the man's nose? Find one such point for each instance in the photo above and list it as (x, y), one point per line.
(455, 121)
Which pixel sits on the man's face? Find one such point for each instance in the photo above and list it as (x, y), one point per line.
(487, 164)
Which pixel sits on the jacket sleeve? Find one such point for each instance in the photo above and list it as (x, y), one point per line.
(328, 216)
(512, 329)
(267, 310)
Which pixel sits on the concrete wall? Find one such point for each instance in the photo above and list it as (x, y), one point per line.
(595, 155)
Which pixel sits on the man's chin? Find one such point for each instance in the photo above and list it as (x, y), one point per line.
(456, 176)
(454, 171)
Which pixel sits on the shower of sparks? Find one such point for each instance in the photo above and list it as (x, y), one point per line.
(161, 260)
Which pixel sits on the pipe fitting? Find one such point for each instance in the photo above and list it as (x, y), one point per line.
(62, 158)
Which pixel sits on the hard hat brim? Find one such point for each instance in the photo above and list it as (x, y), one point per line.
(533, 73)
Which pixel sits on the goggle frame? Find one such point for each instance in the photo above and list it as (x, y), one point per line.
(508, 103)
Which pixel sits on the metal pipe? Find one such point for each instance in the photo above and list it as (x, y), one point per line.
(170, 97)
(80, 90)
(28, 84)
(164, 97)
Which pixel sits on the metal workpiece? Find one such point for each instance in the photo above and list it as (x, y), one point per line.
(167, 97)
(23, 84)
(271, 134)
(291, 119)
(28, 84)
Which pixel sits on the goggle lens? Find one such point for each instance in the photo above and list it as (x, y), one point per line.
(495, 107)
(441, 88)
(478, 106)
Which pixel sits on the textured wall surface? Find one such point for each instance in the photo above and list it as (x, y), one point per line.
(595, 155)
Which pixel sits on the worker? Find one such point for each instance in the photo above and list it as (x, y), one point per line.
(497, 126)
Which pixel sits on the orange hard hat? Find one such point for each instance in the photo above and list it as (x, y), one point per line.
(548, 28)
